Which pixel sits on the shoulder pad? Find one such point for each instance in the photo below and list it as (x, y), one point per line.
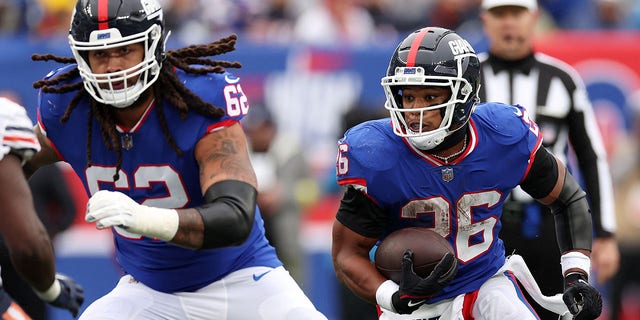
(371, 144)
(222, 90)
(507, 122)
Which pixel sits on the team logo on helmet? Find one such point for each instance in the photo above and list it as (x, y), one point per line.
(460, 46)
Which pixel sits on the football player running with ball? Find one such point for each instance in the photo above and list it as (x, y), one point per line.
(154, 136)
(446, 162)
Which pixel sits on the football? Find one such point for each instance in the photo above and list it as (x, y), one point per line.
(427, 245)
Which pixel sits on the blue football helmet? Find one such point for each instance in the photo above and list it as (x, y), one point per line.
(433, 57)
(99, 24)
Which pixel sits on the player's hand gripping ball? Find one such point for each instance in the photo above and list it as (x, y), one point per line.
(428, 249)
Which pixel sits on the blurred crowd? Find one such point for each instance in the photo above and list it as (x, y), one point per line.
(320, 22)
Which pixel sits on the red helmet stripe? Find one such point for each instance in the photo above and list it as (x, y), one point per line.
(415, 45)
(103, 14)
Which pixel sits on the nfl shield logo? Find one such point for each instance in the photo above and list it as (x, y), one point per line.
(447, 174)
(126, 141)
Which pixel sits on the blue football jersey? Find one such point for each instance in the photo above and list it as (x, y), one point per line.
(461, 200)
(154, 174)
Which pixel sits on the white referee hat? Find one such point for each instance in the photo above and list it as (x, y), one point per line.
(529, 4)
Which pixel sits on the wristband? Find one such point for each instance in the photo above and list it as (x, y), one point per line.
(384, 295)
(157, 222)
(50, 294)
(575, 260)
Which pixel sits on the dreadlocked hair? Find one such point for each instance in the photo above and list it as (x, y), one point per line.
(167, 87)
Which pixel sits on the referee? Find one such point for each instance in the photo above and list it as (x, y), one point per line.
(557, 100)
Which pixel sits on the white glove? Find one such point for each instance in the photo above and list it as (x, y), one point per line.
(115, 209)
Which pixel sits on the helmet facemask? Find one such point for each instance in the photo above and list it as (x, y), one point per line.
(461, 95)
(102, 86)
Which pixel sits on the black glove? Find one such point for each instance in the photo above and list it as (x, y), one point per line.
(414, 290)
(583, 300)
(71, 295)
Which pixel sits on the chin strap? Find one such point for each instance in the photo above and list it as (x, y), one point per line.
(454, 138)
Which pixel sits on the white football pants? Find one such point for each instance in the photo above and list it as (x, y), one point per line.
(274, 295)
(498, 298)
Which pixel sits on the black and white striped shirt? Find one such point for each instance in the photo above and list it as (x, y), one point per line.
(556, 98)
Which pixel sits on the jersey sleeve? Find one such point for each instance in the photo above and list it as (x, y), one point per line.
(512, 126)
(349, 170)
(531, 133)
(16, 131)
(361, 154)
(52, 106)
(223, 91)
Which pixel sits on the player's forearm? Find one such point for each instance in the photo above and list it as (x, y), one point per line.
(552, 185)
(219, 223)
(359, 275)
(190, 231)
(225, 227)
(34, 261)
(29, 246)
(350, 256)
(572, 217)
(225, 219)
(229, 213)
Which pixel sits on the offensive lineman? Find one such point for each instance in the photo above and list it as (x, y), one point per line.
(158, 146)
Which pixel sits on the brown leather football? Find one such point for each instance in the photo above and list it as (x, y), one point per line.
(428, 248)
